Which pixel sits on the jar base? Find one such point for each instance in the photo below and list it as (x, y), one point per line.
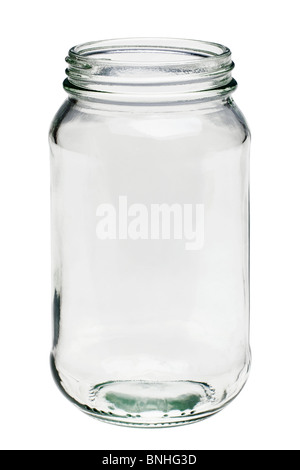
(147, 404)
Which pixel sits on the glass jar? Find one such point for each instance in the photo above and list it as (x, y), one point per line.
(150, 233)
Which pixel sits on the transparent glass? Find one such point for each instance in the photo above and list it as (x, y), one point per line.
(150, 232)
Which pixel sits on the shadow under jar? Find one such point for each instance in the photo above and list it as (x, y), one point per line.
(150, 232)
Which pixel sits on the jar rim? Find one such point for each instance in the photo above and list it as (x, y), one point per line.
(149, 69)
(195, 49)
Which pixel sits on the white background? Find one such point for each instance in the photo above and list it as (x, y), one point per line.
(35, 38)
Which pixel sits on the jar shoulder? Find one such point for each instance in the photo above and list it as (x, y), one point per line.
(79, 129)
(60, 120)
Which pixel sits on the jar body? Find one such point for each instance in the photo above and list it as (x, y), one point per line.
(150, 260)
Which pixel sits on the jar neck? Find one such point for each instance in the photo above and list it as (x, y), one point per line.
(149, 71)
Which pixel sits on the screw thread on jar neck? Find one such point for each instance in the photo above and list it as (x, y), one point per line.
(149, 70)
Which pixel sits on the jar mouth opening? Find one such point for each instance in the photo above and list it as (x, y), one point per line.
(149, 51)
(149, 69)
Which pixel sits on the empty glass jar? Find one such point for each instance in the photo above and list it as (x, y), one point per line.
(150, 209)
